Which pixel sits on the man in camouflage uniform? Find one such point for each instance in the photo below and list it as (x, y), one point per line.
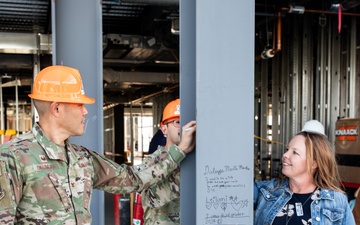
(44, 179)
(161, 202)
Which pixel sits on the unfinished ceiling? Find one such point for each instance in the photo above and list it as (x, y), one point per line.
(141, 41)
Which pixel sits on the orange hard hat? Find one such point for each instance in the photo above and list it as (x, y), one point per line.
(171, 111)
(60, 84)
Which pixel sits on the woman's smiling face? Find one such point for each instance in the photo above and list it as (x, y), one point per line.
(294, 159)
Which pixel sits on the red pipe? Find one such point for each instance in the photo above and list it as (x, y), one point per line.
(116, 209)
(350, 185)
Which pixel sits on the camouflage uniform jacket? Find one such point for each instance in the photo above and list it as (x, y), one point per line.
(42, 183)
(161, 202)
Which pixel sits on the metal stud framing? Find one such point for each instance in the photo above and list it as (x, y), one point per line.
(317, 79)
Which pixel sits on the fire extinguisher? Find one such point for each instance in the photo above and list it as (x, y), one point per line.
(138, 211)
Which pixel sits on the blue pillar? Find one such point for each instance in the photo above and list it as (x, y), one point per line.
(77, 42)
(188, 107)
(217, 72)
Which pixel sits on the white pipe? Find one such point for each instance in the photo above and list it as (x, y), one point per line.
(269, 53)
(297, 9)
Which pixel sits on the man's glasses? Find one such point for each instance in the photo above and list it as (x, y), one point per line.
(175, 122)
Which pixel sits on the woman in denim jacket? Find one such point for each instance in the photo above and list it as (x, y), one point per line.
(309, 193)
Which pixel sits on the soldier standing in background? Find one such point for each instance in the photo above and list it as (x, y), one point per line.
(161, 202)
(158, 139)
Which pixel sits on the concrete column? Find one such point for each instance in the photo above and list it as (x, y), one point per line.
(77, 42)
(220, 54)
(188, 107)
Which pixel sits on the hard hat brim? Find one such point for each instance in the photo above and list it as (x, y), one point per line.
(168, 119)
(83, 99)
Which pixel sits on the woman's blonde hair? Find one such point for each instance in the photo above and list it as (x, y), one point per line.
(319, 150)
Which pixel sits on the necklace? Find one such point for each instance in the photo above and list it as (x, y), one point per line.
(298, 207)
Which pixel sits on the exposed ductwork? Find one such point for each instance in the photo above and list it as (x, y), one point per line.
(140, 40)
(154, 2)
(115, 78)
(144, 98)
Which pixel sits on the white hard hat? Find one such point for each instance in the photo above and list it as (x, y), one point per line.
(313, 126)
